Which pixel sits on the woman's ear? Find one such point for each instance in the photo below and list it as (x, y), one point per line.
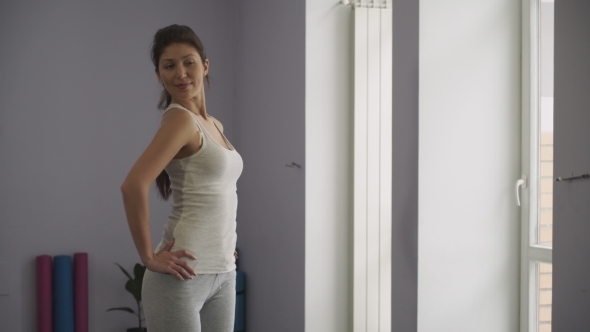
(205, 67)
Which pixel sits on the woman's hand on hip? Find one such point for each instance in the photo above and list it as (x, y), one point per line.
(167, 261)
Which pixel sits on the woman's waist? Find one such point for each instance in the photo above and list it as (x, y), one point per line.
(202, 217)
(217, 242)
(203, 227)
(213, 204)
(204, 244)
(202, 192)
(190, 235)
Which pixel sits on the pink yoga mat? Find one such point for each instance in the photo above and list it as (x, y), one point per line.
(81, 291)
(44, 297)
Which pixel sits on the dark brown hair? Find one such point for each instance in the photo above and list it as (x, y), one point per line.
(163, 38)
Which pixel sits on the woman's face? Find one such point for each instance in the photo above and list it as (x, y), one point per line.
(182, 71)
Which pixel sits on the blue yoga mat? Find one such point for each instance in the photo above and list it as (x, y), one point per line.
(239, 324)
(63, 294)
(240, 282)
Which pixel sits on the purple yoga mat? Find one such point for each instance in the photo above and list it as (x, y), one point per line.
(81, 291)
(44, 296)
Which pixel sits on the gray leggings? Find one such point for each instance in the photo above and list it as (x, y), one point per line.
(205, 303)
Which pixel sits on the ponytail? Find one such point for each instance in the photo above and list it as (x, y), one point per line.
(163, 184)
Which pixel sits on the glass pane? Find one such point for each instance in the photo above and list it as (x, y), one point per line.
(544, 296)
(545, 199)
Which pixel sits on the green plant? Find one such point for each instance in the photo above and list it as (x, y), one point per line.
(133, 286)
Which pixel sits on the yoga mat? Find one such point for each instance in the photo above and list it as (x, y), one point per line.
(81, 291)
(63, 294)
(240, 281)
(44, 314)
(239, 324)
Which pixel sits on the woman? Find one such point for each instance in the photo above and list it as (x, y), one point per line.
(189, 283)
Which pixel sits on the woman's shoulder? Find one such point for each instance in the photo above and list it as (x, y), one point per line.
(178, 116)
(174, 111)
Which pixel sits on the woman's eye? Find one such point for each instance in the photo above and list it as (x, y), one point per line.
(190, 63)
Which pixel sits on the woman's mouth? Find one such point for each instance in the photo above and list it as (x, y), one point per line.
(183, 86)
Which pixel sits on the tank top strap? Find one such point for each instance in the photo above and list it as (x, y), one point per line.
(191, 113)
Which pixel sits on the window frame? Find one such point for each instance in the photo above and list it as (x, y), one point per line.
(531, 253)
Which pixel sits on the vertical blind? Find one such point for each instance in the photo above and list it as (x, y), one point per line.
(372, 166)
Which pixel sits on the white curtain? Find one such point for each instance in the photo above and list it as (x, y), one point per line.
(372, 167)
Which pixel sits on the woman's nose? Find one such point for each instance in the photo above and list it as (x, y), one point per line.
(181, 73)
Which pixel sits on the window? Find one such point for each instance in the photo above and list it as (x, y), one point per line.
(537, 152)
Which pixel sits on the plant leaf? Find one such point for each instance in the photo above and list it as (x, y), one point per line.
(134, 288)
(124, 271)
(139, 271)
(127, 309)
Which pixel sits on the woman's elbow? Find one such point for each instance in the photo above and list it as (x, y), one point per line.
(125, 186)
(134, 185)
(128, 186)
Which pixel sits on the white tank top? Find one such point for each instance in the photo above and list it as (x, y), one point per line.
(203, 218)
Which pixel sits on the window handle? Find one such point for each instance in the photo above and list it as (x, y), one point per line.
(520, 182)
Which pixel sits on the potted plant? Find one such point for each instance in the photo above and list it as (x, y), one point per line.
(133, 286)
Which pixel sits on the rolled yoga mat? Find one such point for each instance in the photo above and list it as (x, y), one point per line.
(81, 291)
(63, 294)
(239, 323)
(44, 288)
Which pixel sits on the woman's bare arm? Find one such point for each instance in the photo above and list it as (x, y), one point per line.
(177, 129)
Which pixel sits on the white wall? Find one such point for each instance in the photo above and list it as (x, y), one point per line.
(328, 181)
(469, 161)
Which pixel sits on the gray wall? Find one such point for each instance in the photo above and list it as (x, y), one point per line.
(270, 124)
(78, 107)
(571, 211)
(404, 308)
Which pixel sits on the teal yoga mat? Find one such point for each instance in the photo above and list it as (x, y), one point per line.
(63, 294)
(239, 323)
